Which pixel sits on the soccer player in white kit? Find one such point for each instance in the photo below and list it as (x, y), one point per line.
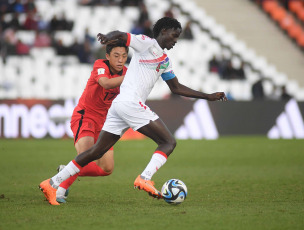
(149, 62)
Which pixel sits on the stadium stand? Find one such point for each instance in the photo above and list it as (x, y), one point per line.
(285, 19)
(58, 72)
(297, 8)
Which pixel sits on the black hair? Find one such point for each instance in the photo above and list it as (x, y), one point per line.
(118, 43)
(165, 23)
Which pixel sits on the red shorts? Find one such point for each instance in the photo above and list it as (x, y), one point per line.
(84, 126)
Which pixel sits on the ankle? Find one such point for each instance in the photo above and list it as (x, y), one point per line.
(60, 192)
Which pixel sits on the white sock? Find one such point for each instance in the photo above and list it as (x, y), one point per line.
(60, 192)
(158, 160)
(70, 170)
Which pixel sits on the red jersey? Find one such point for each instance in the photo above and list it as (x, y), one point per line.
(96, 100)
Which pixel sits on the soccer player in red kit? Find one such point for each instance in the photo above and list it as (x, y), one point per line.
(91, 112)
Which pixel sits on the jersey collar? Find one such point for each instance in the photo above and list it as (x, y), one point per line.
(108, 64)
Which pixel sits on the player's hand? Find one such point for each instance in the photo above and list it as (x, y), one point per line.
(219, 96)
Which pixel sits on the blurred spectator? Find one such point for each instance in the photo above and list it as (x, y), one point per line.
(75, 47)
(84, 53)
(8, 42)
(214, 65)
(60, 24)
(137, 29)
(30, 22)
(285, 3)
(18, 7)
(187, 32)
(61, 49)
(124, 3)
(7, 49)
(223, 65)
(285, 95)
(10, 35)
(4, 7)
(85, 2)
(65, 24)
(3, 24)
(30, 6)
(21, 48)
(228, 71)
(42, 39)
(88, 37)
(143, 24)
(147, 28)
(225, 69)
(15, 21)
(240, 73)
(95, 2)
(258, 90)
(42, 24)
(169, 13)
(143, 14)
(54, 24)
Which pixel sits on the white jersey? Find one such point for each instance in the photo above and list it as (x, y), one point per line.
(148, 63)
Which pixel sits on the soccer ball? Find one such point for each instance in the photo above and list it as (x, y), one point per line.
(174, 191)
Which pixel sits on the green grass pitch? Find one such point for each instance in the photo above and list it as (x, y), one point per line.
(233, 183)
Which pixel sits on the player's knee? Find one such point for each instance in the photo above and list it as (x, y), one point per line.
(108, 169)
(106, 164)
(170, 145)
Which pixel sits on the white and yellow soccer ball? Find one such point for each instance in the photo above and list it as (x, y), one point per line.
(174, 191)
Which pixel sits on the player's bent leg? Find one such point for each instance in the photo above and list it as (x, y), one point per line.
(106, 163)
(159, 133)
(105, 141)
(84, 143)
(63, 189)
(102, 167)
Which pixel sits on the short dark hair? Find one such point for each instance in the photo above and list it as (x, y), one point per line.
(118, 43)
(165, 23)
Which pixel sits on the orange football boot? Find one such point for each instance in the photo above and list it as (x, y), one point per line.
(49, 192)
(148, 186)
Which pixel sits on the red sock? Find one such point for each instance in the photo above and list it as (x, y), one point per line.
(68, 182)
(92, 169)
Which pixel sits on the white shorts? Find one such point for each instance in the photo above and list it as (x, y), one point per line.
(125, 114)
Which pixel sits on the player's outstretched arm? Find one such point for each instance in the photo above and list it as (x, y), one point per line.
(112, 37)
(183, 90)
(110, 83)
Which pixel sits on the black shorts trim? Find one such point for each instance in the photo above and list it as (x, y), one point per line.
(79, 124)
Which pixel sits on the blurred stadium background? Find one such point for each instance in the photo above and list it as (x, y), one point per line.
(250, 49)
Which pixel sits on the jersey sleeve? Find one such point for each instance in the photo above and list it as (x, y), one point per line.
(139, 43)
(168, 73)
(100, 69)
